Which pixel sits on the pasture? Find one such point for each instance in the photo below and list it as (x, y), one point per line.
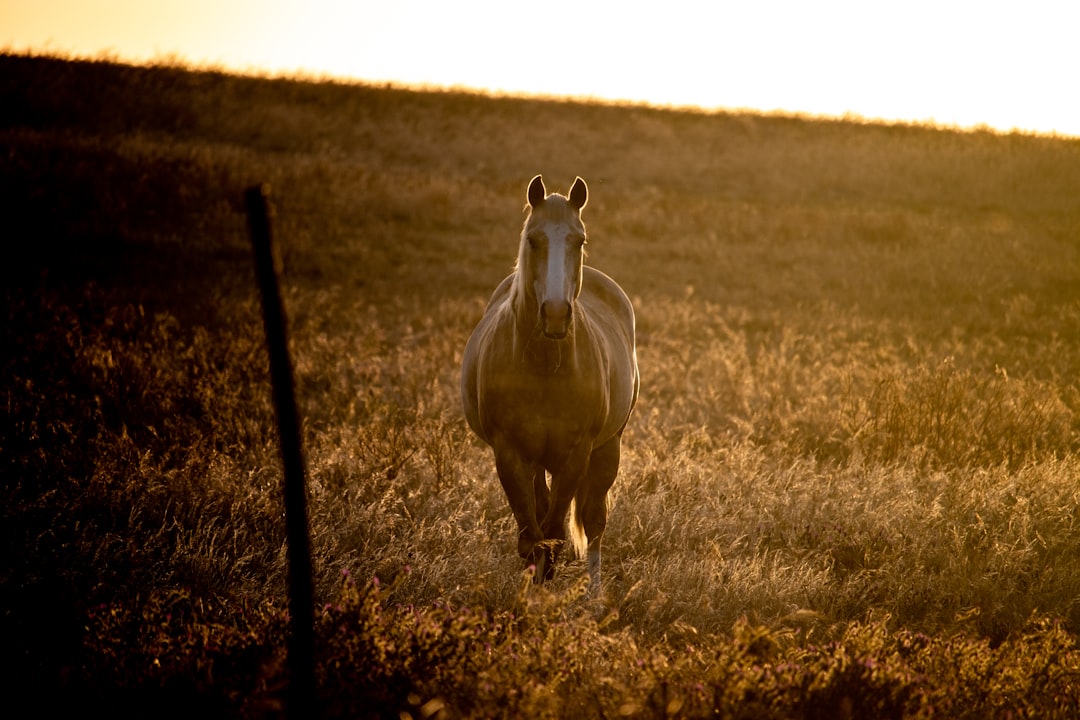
(849, 487)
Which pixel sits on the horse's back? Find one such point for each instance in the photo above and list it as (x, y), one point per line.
(608, 301)
(611, 314)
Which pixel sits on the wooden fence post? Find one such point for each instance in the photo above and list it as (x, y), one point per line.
(301, 647)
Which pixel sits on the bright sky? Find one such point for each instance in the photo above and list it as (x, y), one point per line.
(955, 62)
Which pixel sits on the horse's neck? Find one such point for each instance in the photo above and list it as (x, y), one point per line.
(524, 307)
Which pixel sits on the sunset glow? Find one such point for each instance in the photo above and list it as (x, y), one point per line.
(1002, 65)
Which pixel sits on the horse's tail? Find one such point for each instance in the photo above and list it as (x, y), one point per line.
(577, 526)
(578, 509)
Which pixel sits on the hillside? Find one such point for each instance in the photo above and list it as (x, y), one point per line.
(849, 485)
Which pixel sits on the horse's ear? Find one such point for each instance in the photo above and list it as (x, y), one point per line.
(537, 193)
(579, 194)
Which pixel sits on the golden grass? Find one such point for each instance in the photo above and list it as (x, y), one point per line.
(858, 424)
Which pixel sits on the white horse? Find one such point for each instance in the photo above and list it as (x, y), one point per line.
(549, 379)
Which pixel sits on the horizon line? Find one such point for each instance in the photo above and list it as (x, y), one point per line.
(175, 60)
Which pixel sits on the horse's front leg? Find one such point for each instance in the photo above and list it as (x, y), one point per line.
(517, 476)
(564, 484)
(542, 493)
(593, 502)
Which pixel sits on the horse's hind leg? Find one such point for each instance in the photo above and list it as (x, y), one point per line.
(592, 504)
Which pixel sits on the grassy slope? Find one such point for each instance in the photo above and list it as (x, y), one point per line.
(858, 347)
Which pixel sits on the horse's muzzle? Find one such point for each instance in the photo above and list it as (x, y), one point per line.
(556, 318)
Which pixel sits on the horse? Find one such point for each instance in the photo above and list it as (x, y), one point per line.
(549, 379)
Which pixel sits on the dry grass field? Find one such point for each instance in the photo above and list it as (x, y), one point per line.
(850, 487)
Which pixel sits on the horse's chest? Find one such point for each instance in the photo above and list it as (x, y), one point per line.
(543, 410)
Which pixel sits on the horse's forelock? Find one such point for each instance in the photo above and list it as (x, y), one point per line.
(555, 208)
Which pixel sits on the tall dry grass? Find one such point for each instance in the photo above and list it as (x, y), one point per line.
(856, 442)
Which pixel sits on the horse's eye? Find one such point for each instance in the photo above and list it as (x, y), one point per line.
(534, 242)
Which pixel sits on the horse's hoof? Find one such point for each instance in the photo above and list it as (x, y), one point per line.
(543, 564)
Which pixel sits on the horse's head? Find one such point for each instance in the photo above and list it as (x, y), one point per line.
(552, 253)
